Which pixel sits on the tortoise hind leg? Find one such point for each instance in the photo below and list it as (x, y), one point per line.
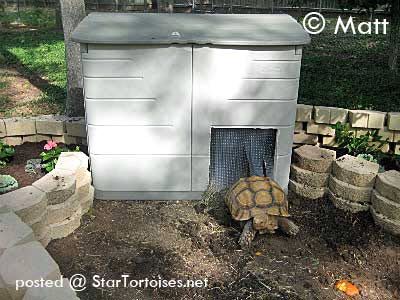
(287, 226)
(247, 235)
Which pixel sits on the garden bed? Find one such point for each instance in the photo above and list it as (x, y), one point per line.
(16, 167)
(176, 240)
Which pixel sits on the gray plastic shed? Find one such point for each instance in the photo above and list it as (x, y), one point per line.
(177, 101)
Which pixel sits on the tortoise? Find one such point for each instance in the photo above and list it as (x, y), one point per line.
(262, 203)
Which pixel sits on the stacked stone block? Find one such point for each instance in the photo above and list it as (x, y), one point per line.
(386, 201)
(310, 170)
(351, 183)
(53, 205)
(58, 128)
(22, 257)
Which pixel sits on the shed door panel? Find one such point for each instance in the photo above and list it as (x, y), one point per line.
(138, 110)
(243, 86)
(141, 173)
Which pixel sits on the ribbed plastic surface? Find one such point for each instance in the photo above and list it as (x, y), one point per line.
(240, 152)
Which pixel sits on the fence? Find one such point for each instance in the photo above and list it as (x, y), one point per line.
(132, 5)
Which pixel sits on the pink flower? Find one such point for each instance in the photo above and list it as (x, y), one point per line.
(50, 145)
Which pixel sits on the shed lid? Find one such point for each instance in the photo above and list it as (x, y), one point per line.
(217, 29)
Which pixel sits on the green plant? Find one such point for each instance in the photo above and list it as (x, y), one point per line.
(7, 183)
(51, 154)
(367, 157)
(370, 143)
(6, 153)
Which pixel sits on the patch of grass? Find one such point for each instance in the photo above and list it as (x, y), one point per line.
(42, 55)
(349, 71)
(40, 51)
(32, 17)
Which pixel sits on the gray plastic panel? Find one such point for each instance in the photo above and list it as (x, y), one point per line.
(107, 195)
(138, 140)
(141, 173)
(221, 29)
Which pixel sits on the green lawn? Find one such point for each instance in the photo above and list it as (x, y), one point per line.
(344, 70)
(38, 50)
(349, 71)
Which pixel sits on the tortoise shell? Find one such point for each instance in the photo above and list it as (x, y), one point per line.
(256, 197)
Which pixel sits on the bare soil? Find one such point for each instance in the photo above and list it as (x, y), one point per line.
(16, 167)
(179, 240)
(20, 95)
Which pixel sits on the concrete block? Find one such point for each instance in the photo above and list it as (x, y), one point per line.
(75, 162)
(70, 140)
(376, 119)
(87, 202)
(42, 138)
(4, 295)
(298, 127)
(314, 159)
(385, 148)
(322, 114)
(20, 126)
(25, 262)
(385, 206)
(397, 150)
(338, 115)
(304, 138)
(51, 125)
(13, 140)
(348, 191)
(83, 184)
(396, 137)
(29, 139)
(59, 212)
(347, 205)
(66, 227)
(62, 292)
(39, 226)
(385, 133)
(360, 132)
(29, 203)
(76, 127)
(388, 185)
(355, 171)
(387, 224)
(58, 139)
(329, 141)
(394, 120)
(306, 191)
(58, 185)
(2, 128)
(304, 113)
(310, 178)
(13, 231)
(45, 238)
(323, 129)
(358, 118)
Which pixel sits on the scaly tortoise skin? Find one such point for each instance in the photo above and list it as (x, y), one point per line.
(261, 200)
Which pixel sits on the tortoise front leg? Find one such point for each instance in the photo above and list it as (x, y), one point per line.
(247, 235)
(287, 226)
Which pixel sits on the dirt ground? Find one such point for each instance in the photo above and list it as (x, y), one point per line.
(16, 167)
(179, 240)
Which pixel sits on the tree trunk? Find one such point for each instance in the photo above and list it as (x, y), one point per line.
(394, 40)
(72, 12)
(58, 16)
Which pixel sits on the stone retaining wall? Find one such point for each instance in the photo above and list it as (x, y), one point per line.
(30, 217)
(313, 127)
(352, 184)
(61, 129)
